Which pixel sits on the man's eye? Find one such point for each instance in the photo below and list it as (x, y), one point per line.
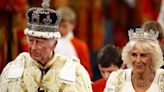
(109, 71)
(39, 42)
(31, 41)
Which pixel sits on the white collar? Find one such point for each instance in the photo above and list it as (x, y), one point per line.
(70, 35)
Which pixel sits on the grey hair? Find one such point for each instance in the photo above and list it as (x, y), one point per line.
(151, 47)
(52, 40)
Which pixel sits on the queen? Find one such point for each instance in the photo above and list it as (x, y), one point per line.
(143, 57)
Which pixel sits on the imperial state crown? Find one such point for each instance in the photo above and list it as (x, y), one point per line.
(43, 22)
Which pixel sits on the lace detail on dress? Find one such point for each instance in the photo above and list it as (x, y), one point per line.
(119, 80)
(161, 82)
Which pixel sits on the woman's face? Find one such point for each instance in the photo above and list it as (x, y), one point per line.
(141, 60)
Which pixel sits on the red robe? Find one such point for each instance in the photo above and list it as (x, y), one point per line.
(83, 54)
(99, 85)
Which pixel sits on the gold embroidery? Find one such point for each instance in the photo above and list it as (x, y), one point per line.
(161, 82)
(63, 86)
(119, 80)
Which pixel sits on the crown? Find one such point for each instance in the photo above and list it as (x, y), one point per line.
(140, 34)
(43, 22)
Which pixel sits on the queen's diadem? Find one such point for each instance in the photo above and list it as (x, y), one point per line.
(140, 34)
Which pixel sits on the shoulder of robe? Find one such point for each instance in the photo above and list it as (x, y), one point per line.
(22, 56)
(16, 67)
(75, 59)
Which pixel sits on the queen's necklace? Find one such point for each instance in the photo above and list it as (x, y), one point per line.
(144, 83)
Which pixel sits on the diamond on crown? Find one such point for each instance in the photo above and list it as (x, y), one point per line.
(141, 34)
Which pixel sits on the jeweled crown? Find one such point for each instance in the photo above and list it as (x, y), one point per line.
(140, 34)
(43, 22)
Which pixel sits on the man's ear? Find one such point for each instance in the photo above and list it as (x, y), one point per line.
(54, 44)
(73, 25)
(99, 66)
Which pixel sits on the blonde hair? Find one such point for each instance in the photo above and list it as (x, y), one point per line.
(67, 13)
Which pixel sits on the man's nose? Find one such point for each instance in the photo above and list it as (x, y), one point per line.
(34, 45)
(106, 75)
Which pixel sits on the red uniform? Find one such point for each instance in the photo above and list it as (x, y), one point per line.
(83, 53)
(69, 45)
(99, 85)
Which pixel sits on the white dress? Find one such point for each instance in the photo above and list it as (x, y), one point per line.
(120, 81)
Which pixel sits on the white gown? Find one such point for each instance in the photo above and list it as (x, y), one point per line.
(115, 84)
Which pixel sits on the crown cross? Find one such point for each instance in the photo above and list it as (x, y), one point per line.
(141, 34)
(47, 20)
(35, 17)
(45, 4)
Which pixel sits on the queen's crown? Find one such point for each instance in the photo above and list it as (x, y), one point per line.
(140, 34)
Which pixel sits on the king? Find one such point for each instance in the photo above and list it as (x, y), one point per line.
(41, 69)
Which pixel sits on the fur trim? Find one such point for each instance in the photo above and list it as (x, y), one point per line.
(47, 35)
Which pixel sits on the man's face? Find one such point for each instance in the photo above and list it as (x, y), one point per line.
(65, 27)
(105, 71)
(40, 49)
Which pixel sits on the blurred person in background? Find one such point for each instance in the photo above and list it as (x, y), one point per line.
(68, 44)
(108, 60)
(160, 18)
(155, 26)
